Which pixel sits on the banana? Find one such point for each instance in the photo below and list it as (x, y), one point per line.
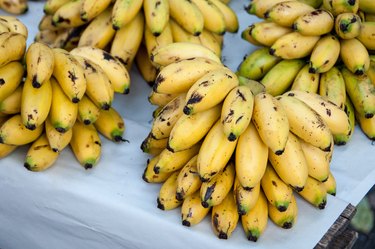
(197, 124)
(306, 81)
(39, 63)
(224, 217)
(99, 32)
(215, 152)
(166, 199)
(156, 15)
(237, 111)
(124, 11)
(250, 158)
(277, 192)
(92, 8)
(213, 18)
(192, 211)
(285, 219)
(371, 71)
(69, 74)
(366, 17)
(188, 181)
(68, 38)
(311, 127)
(176, 51)
(86, 144)
(98, 86)
(6, 149)
(3, 28)
(214, 191)
(344, 6)
(256, 64)
(245, 199)
(50, 6)
(333, 116)
(260, 7)
(315, 193)
(230, 16)
(281, 76)
(15, 7)
(330, 184)
(111, 125)
(48, 36)
(40, 155)
(332, 86)
(266, 33)
(271, 122)
(255, 221)
(88, 112)
(284, 13)
(246, 36)
(207, 39)
(342, 139)
(127, 40)
(144, 65)
(315, 23)
(68, 15)
(150, 176)
(367, 34)
(178, 77)
(10, 78)
(347, 25)
(57, 140)
(367, 125)
(12, 47)
(161, 99)
(152, 42)
(361, 92)
(12, 103)
(13, 132)
(14, 25)
(358, 64)
(188, 15)
(255, 86)
(367, 6)
(63, 112)
(35, 104)
(325, 54)
(294, 45)
(153, 146)
(115, 70)
(209, 90)
(291, 166)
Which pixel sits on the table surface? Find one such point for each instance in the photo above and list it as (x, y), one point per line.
(110, 206)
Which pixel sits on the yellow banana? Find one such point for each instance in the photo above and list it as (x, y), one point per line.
(224, 217)
(254, 222)
(237, 111)
(7, 149)
(150, 176)
(3, 27)
(325, 54)
(35, 104)
(214, 191)
(230, 16)
(358, 64)
(12, 47)
(15, 7)
(197, 124)
(291, 166)
(246, 36)
(63, 112)
(13, 132)
(251, 158)
(188, 181)
(213, 18)
(192, 211)
(161, 99)
(92, 8)
(255, 86)
(310, 127)
(315, 193)
(344, 6)
(153, 146)
(156, 15)
(271, 121)
(14, 25)
(12, 103)
(367, 6)
(361, 92)
(167, 194)
(68, 15)
(67, 39)
(11, 76)
(152, 42)
(367, 34)
(332, 86)
(127, 40)
(69, 74)
(256, 64)
(260, 7)
(111, 125)
(115, 70)
(315, 23)
(85, 144)
(57, 140)
(40, 155)
(245, 199)
(207, 39)
(347, 25)
(330, 184)
(50, 6)
(306, 81)
(367, 125)
(281, 76)
(88, 112)
(124, 11)
(267, 33)
(48, 36)
(294, 45)
(285, 219)
(209, 90)
(342, 139)
(144, 65)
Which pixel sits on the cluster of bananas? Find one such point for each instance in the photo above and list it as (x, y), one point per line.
(317, 46)
(15, 7)
(130, 30)
(51, 98)
(220, 143)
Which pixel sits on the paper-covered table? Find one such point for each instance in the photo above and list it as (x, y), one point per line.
(110, 206)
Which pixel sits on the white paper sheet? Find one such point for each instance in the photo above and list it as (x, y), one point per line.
(111, 206)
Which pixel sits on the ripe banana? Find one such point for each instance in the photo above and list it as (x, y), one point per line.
(40, 155)
(367, 6)
(332, 87)
(124, 11)
(57, 140)
(367, 125)
(367, 34)
(315, 23)
(192, 211)
(315, 193)
(347, 25)
(12, 47)
(88, 112)
(188, 181)
(152, 42)
(15, 7)
(144, 65)
(306, 81)
(50, 6)
(45, 23)
(150, 176)
(285, 219)
(358, 64)
(10, 78)
(246, 36)
(111, 125)
(330, 184)
(255, 86)
(156, 15)
(230, 16)
(68, 15)
(161, 99)
(167, 194)
(250, 158)
(342, 139)
(6, 149)
(344, 6)
(260, 7)
(267, 33)
(245, 199)
(325, 54)
(14, 25)
(213, 18)
(208, 39)
(153, 146)
(92, 8)
(12, 103)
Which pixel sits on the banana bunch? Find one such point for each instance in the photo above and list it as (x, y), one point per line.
(131, 30)
(15, 7)
(221, 145)
(323, 47)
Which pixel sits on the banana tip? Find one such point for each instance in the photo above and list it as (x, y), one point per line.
(251, 237)
(287, 225)
(232, 137)
(223, 235)
(322, 205)
(27, 166)
(88, 165)
(186, 223)
(205, 204)
(160, 205)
